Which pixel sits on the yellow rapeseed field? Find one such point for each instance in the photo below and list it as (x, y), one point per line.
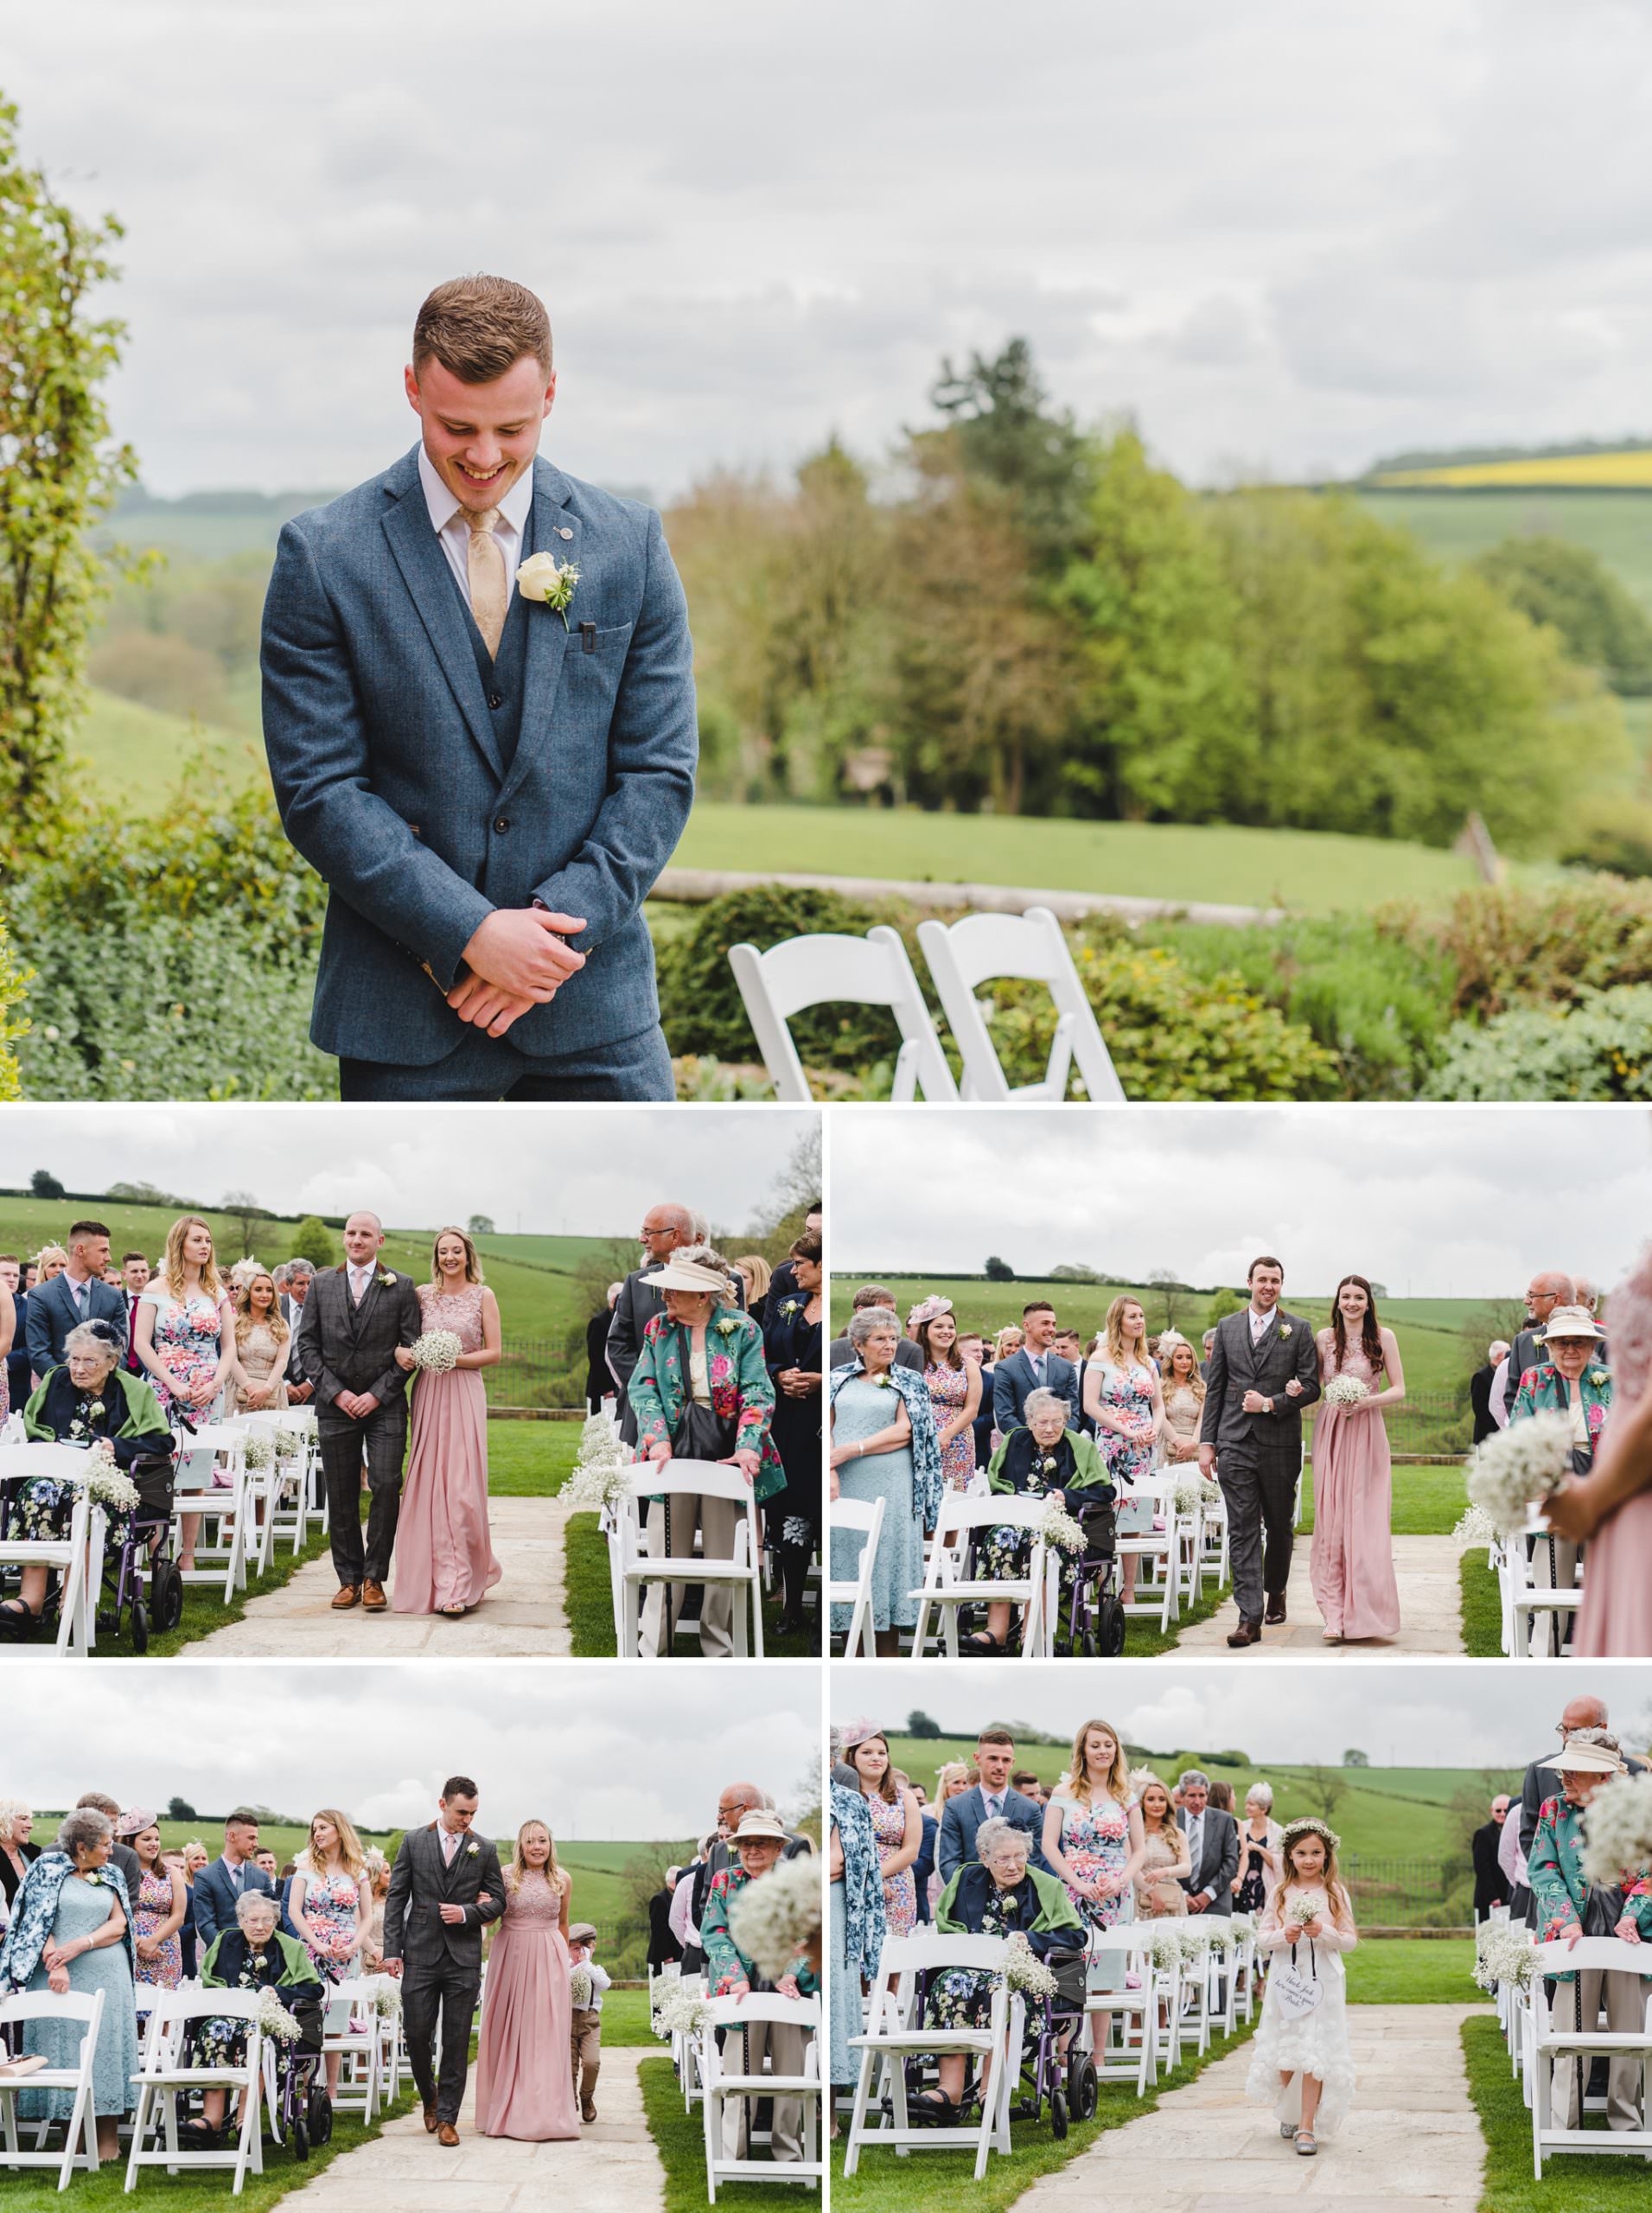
(1582, 472)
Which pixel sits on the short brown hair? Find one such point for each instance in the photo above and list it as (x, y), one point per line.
(1263, 1260)
(1036, 1306)
(478, 327)
(88, 1229)
(124, 1258)
(995, 1733)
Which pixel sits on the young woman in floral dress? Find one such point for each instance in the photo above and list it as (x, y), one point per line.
(185, 1337)
(1093, 1835)
(954, 1388)
(1124, 1400)
(896, 1824)
(159, 1907)
(330, 1903)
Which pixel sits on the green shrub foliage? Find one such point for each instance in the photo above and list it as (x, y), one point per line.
(1598, 1049)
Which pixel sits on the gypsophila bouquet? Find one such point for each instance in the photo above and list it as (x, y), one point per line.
(289, 1442)
(274, 2020)
(105, 1484)
(1304, 1906)
(1058, 1528)
(387, 1998)
(1218, 1931)
(601, 1475)
(775, 1920)
(1474, 1527)
(683, 2014)
(1617, 1829)
(1167, 1944)
(1188, 1494)
(1523, 1462)
(580, 1989)
(259, 1449)
(1024, 1971)
(1209, 1490)
(1345, 1391)
(1502, 1953)
(437, 1352)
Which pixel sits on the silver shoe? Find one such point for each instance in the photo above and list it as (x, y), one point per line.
(1305, 2146)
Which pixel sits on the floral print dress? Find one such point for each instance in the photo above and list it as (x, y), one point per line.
(153, 1905)
(220, 2040)
(899, 1891)
(948, 1393)
(1127, 1391)
(187, 1345)
(42, 1506)
(1095, 1841)
(329, 1906)
(1002, 1550)
(961, 1997)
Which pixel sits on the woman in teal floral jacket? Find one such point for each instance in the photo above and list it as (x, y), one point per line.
(756, 1848)
(701, 1391)
(1569, 1381)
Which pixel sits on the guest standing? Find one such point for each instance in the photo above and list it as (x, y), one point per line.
(1165, 1863)
(758, 1844)
(1611, 1507)
(158, 1904)
(1351, 1566)
(444, 1562)
(883, 1446)
(896, 1824)
(1092, 1837)
(329, 1903)
(1126, 1403)
(599, 1381)
(794, 1353)
(524, 2086)
(263, 1346)
(1491, 1886)
(1259, 1840)
(186, 1340)
(954, 1388)
(859, 1924)
(17, 1854)
(1182, 1389)
(1213, 1847)
(755, 1274)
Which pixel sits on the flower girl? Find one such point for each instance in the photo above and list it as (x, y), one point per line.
(1301, 2065)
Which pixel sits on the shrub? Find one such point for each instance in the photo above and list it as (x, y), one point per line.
(1601, 1048)
(1551, 942)
(13, 979)
(1612, 834)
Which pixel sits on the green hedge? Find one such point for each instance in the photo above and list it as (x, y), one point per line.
(1600, 1047)
(13, 1022)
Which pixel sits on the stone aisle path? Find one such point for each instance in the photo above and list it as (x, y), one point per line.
(612, 2165)
(1411, 2139)
(1430, 1617)
(524, 1614)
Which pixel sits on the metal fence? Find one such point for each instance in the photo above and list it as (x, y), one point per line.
(622, 1948)
(1411, 1893)
(537, 1372)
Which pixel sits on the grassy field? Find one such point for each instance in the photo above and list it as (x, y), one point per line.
(1572, 2183)
(1458, 525)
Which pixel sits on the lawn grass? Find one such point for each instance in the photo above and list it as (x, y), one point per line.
(679, 2138)
(590, 1609)
(1411, 1971)
(1481, 1607)
(1455, 526)
(1573, 2182)
(1427, 1502)
(36, 2192)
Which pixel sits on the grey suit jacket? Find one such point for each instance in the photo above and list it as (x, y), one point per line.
(391, 781)
(421, 1883)
(1013, 1380)
(962, 1817)
(1235, 1366)
(52, 1314)
(349, 1347)
(1218, 1859)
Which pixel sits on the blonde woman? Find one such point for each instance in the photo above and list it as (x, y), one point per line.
(756, 1274)
(263, 1345)
(185, 1340)
(1183, 1391)
(373, 1939)
(524, 2086)
(1009, 1339)
(1093, 1835)
(1125, 1401)
(329, 1902)
(49, 1261)
(444, 1560)
(1165, 1860)
(953, 1778)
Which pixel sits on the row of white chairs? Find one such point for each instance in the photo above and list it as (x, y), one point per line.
(874, 971)
(706, 2078)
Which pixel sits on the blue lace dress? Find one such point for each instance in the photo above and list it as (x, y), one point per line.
(862, 1408)
(82, 1909)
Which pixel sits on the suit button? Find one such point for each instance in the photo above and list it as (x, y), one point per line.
(502, 825)
(496, 699)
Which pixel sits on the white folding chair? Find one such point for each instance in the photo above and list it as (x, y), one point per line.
(221, 1558)
(80, 2131)
(946, 1587)
(164, 2076)
(1539, 1610)
(1122, 2023)
(723, 2083)
(864, 1517)
(814, 971)
(1160, 1551)
(964, 955)
(894, 2031)
(1546, 2043)
(742, 1572)
(351, 2031)
(78, 1557)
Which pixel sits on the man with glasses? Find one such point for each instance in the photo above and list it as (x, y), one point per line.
(665, 1227)
(1584, 1712)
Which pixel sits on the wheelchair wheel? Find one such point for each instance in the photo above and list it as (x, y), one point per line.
(1109, 1629)
(1082, 2088)
(320, 2116)
(140, 1626)
(300, 2137)
(166, 1596)
(1058, 2115)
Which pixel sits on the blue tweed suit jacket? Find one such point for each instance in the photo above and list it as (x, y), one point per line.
(391, 781)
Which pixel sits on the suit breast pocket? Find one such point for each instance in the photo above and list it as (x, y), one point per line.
(594, 641)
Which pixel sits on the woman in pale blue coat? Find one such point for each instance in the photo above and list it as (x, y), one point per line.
(883, 1445)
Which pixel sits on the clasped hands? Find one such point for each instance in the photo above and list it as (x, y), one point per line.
(357, 1403)
(1255, 1402)
(519, 958)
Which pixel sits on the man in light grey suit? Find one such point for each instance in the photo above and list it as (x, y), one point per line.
(479, 713)
(992, 1797)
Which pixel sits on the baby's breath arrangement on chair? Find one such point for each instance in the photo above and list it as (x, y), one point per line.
(601, 1475)
(259, 1450)
(1474, 1527)
(777, 1921)
(1024, 1971)
(387, 1998)
(1060, 1528)
(1617, 1829)
(683, 2013)
(1521, 1465)
(1503, 1954)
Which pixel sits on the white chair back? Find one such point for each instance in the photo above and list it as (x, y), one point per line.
(815, 971)
(864, 1517)
(1028, 947)
(81, 2133)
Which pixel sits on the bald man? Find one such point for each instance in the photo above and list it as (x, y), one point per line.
(665, 1227)
(1544, 1293)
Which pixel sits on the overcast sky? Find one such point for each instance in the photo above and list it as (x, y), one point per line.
(580, 1172)
(1457, 1715)
(1288, 236)
(1446, 1202)
(597, 1751)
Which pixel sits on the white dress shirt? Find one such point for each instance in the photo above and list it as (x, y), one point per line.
(1259, 1321)
(359, 1278)
(453, 531)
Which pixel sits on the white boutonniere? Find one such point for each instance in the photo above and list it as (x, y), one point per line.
(728, 1325)
(387, 1279)
(1597, 1376)
(542, 577)
(791, 1306)
(473, 1852)
(1049, 1464)
(1285, 1329)
(94, 1412)
(884, 1382)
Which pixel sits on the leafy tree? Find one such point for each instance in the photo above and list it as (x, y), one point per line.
(244, 1211)
(311, 1242)
(1571, 588)
(1073, 1272)
(45, 1185)
(481, 1225)
(59, 473)
(1355, 1758)
(1174, 1296)
(998, 1271)
(180, 1809)
(1324, 1788)
(1225, 1303)
(920, 1724)
(1008, 435)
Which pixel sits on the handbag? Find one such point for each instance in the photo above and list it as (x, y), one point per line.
(704, 1434)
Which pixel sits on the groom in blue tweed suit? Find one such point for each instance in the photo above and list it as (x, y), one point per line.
(488, 782)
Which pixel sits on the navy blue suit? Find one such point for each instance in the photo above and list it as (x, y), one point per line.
(1013, 1379)
(18, 1386)
(962, 1816)
(215, 1895)
(53, 1314)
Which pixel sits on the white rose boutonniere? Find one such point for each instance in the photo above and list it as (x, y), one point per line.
(387, 1279)
(884, 1382)
(473, 1852)
(94, 1412)
(543, 577)
(1597, 1376)
(1285, 1329)
(791, 1306)
(728, 1325)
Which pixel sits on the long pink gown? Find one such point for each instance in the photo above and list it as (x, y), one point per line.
(1351, 1567)
(1615, 1620)
(525, 2083)
(444, 1556)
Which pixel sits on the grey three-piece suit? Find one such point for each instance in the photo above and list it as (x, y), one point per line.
(441, 1960)
(1258, 1457)
(345, 1347)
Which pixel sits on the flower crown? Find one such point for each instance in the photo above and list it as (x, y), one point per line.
(926, 1310)
(1309, 1825)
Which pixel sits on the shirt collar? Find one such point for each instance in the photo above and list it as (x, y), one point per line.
(1259, 1319)
(442, 502)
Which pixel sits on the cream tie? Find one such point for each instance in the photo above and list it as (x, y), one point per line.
(485, 572)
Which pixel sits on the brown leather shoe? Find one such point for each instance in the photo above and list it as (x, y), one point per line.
(1275, 1606)
(346, 1596)
(1248, 1632)
(447, 2134)
(373, 1600)
(429, 2120)
(587, 2113)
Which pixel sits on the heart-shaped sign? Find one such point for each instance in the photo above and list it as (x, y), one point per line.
(1296, 1995)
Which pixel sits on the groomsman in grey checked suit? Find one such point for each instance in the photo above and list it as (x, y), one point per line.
(1263, 1372)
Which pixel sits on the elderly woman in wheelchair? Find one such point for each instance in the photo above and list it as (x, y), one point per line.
(1048, 1459)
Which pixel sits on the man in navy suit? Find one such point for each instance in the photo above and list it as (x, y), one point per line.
(134, 1276)
(1037, 1367)
(962, 1816)
(229, 1879)
(479, 713)
(11, 1275)
(78, 1294)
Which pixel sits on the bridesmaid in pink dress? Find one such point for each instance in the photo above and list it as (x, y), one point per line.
(524, 2086)
(1609, 1511)
(1351, 1567)
(443, 1561)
